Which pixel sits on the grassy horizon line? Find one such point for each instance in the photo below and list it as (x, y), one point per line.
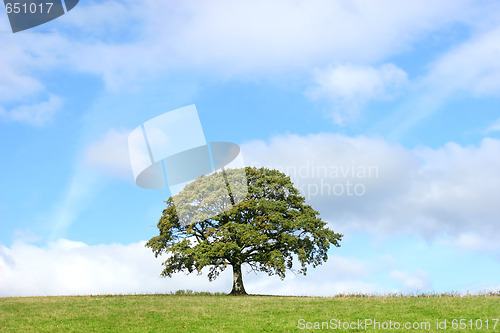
(189, 292)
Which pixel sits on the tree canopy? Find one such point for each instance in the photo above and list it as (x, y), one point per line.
(267, 230)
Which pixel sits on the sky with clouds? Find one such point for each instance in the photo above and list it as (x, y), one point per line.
(385, 114)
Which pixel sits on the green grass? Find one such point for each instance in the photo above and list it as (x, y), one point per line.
(219, 313)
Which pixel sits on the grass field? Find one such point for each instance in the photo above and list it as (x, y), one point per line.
(220, 313)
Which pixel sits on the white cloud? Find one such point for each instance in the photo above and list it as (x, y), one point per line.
(73, 268)
(38, 114)
(336, 276)
(365, 184)
(248, 39)
(66, 267)
(470, 242)
(22, 89)
(244, 38)
(418, 281)
(110, 154)
(307, 286)
(349, 86)
(262, 35)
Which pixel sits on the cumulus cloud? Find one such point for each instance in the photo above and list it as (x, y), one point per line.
(369, 184)
(110, 154)
(67, 267)
(73, 268)
(349, 87)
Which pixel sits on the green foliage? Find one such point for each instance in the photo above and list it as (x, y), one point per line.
(266, 230)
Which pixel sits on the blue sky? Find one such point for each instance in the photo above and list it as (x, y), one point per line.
(412, 90)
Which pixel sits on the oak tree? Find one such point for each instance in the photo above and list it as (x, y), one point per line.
(270, 230)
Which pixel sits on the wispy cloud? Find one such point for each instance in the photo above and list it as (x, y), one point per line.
(82, 188)
(38, 114)
(494, 127)
(470, 68)
(16, 84)
(349, 87)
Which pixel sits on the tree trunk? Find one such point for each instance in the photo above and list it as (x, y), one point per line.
(238, 288)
